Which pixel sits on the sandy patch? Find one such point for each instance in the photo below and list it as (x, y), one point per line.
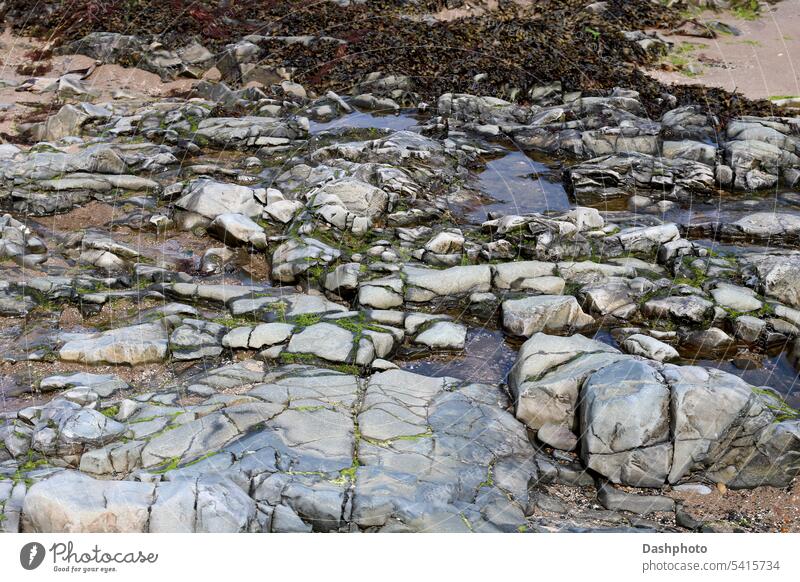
(103, 80)
(763, 62)
(761, 509)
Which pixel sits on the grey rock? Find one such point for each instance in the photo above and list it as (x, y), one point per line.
(104, 385)
(427, 284)
(343, 278)
(616, 500)
(70, 502)
(138, 344)
(251, 131)
(547, 376)
(543, 313)
(735, 297)
(625, 424)
(690, 309)
(778, 276)
(237, 229)
(195, 339)
(295, 257)
(210, 199)
(443, 335)
(324, 340)
(557, 436)
(644, 345)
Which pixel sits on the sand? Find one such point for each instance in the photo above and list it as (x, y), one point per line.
(762, 63)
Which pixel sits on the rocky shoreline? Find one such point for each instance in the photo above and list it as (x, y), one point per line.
(253, 307)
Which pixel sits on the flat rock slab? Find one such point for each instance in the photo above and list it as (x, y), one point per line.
(315, 450)
(324, 340)
(139, 344)
(443, 335)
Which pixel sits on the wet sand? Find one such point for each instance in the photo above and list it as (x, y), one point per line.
(761, 63)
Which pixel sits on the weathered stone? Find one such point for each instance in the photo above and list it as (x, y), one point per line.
(237, 229)
(625, 424)
(644, 345)
(547, 313)
(295, 257)
(443, 335)
(70, 502)
(690, 309)
(138, 344)
(211, 199)
(616, 500)
(324, 340)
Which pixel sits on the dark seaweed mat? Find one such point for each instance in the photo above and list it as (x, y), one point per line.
(517, 48)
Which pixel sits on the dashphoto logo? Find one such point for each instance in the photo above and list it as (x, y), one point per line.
(31, 555)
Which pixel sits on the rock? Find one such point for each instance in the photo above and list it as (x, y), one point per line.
(104, 385)
(445, 243)
(68, 121)
(283, 210)
(778, 276)
(13, 303)
(427, 284)
(586, 272)
(237, 229)
(691, 309)
(285, 520)
(195, 339)
(210, 199)
(749, 328)
(607, 298)
(691, 150)
(355, 196)
(295, 257)
(693, 488)
(384, 293)
(138, 344)
(509, 275)
(646, 239)
(735, 297)
(774, 225)
(547, 376)
(625, 424)
(214, 260)
(190, 441)
(343, 278)
(548, 313)
(72, 86)
(707, 341)
(684, 519)
(643, 345)
(757, 164)
(585, 218)
(543, 285)
(443, 335)
(70, 502)
(557, 436)
(85, 427)
(395, 472)
(258, 337)
(616, 500)
(324, 340)
(250, 131)
(695, 393)
(611, 176)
